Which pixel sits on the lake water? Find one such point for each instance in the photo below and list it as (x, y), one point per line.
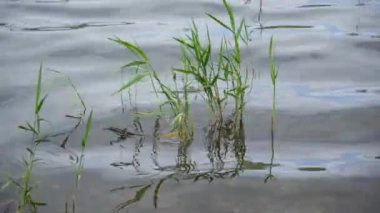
(326, 149)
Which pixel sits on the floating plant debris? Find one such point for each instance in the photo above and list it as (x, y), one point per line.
(285, 27)
(314, 5)
(353, 34)
(312, 169)
(14, 27)
(121, 164)
(361, 90)
(257, 165)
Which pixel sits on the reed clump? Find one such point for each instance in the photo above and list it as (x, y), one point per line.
(217, 74)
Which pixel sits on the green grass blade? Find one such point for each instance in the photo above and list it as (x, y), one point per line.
(271, 47)
(134, 64)
(86, 131)
(272, 64)
(38, 89)
(245, 37)
(133, 48)
(40, 104)
(207, 53)
(241, 27)
(183, 71)
(24, 128)
(219, 22)
(230, 15)
(32, 128)
(136, 78)
(181, 41)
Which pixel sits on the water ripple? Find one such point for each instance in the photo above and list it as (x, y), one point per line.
(15, 27)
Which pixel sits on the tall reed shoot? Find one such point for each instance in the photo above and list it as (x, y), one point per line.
(79, 164)
(25, 188)
(273, 67)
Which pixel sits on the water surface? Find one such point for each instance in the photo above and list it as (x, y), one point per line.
(327, 125)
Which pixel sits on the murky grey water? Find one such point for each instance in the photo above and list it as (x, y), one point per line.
(328, 104)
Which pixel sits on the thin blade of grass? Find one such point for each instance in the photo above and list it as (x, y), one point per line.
(29, 128)
(272, 63)
(40, 104)
(23, 128)
(134, 64)
(181, 41)
(136, 78)
(38, 89)
(207, 54)
(183, 71)
(133, 48)
(219, 22)
(87, 131)
(230, 15)
(271, 47)
(241, 26)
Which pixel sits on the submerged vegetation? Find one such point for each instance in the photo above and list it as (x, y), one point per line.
(218, 76)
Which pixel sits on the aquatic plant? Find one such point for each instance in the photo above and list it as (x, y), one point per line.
(25, 189)
(211, 74)
(84, 141)
(199, 65)
(273, 67)
(79, 163)
(26, 201)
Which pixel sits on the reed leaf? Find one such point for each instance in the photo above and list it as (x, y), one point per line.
(86, 131)
(230, 15)
(219, 22)
(181, 41)
(38, 89)
(136, 78)
(134, 64)
(133, 48)
(41, 102)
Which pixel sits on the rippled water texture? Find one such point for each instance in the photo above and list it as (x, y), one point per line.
(327, 139)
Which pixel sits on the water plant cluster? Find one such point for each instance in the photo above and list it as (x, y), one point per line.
(218, 75)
